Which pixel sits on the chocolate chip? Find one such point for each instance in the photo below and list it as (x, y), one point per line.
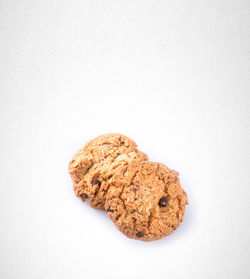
(163, 202)
(117, 217)
(96, 181)
(139, 234)
(122, 142)
(133, 219)
(82, 197)
(135, 190)
(110, 210)
(76, 181)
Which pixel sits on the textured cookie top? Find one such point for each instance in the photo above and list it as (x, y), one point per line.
(93, 166)
(145, 200)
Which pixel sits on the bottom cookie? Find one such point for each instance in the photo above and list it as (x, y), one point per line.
(146, 201)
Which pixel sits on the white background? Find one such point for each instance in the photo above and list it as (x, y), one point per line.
(172, 75)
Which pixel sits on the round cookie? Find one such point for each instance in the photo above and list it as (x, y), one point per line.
(145, 201)
(93, 166)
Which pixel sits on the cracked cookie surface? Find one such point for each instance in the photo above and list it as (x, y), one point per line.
(93, 166)
(146, 201)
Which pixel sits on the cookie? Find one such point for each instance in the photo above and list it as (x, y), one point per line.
(146, 201)
(93, 166)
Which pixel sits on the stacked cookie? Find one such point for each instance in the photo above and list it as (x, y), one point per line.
(144, 199)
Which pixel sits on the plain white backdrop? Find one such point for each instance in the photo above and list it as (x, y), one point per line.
(172, 75)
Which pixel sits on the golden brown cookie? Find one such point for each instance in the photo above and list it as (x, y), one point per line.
(93, 166)
(145, 200)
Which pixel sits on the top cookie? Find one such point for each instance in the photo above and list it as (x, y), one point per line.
(145, 200)
(93, 166)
